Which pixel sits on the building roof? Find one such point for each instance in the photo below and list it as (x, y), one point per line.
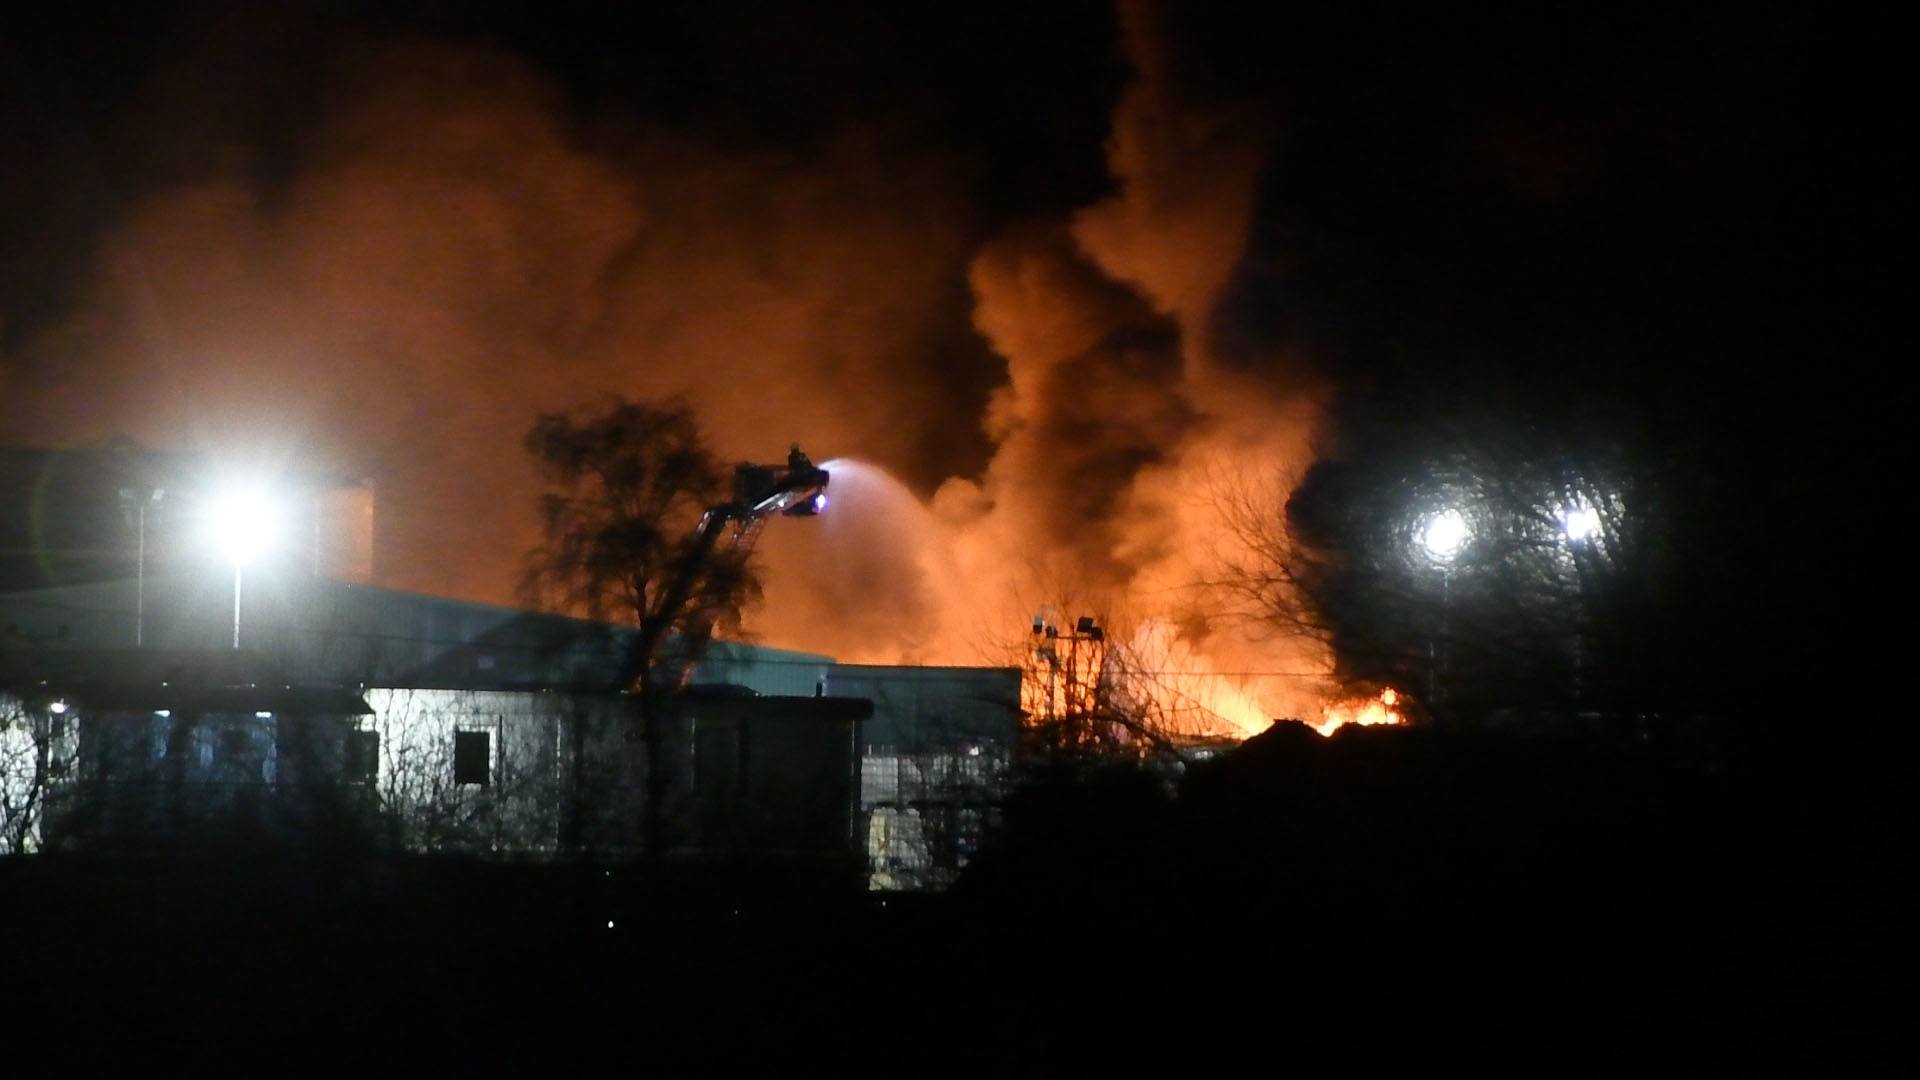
(199, 680)
(300, 630)
(318, 631)
(917, 708)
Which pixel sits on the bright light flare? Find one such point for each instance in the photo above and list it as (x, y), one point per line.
(1444, 534)
(1366, 712)
(243, 525)
(1579, 522)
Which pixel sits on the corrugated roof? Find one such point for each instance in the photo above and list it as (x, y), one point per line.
(217, 680)
(319, 630)
(917, 706)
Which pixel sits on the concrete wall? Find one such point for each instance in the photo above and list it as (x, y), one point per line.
(517, 803)
(506, 774)
(138, 777)
(935, 763)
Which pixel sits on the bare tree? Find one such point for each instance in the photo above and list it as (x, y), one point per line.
(463, 770)
(1254, 579)
(1100, 678)
(37, 752)
(1527, 604)
(630, 484)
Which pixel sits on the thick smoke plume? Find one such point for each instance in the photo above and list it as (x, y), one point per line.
(452, 255)
(450, 260)
(1117, 420)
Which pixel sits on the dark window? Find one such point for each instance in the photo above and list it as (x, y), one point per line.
(472, 757)
(234, 744)
(362, 764)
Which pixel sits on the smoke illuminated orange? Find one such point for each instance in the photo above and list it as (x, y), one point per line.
(458, 263)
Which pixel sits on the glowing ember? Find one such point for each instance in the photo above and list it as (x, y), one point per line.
(1364, 711)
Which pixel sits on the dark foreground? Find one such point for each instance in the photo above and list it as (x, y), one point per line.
(1531, 907)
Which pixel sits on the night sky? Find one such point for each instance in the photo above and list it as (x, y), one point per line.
(1045, 264)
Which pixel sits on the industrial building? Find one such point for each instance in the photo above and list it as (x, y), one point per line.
(440, 725)
(150, 694)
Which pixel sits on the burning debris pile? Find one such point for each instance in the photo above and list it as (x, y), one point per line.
(1148, 690)
(1366, 712)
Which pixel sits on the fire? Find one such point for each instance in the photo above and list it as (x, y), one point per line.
(1239, 708)
(1184, 691)
(1145, 679)
(1364, 711)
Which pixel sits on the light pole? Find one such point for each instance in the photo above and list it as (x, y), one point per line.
(1442, 536)
(243, 526)
(1579, 524)
(1086, 629)
(1078, 706)
(142, 498)
(1048, 633)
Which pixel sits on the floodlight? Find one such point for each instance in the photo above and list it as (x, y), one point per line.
(1444, 534)
(1579, 522)
(243, 525)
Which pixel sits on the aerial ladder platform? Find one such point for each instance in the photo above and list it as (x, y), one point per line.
(796, 489)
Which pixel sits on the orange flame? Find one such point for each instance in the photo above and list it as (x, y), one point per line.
(1363, 711)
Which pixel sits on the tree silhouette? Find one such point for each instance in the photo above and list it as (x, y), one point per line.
(1593, 544)
(629, 486)
(37, 754)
